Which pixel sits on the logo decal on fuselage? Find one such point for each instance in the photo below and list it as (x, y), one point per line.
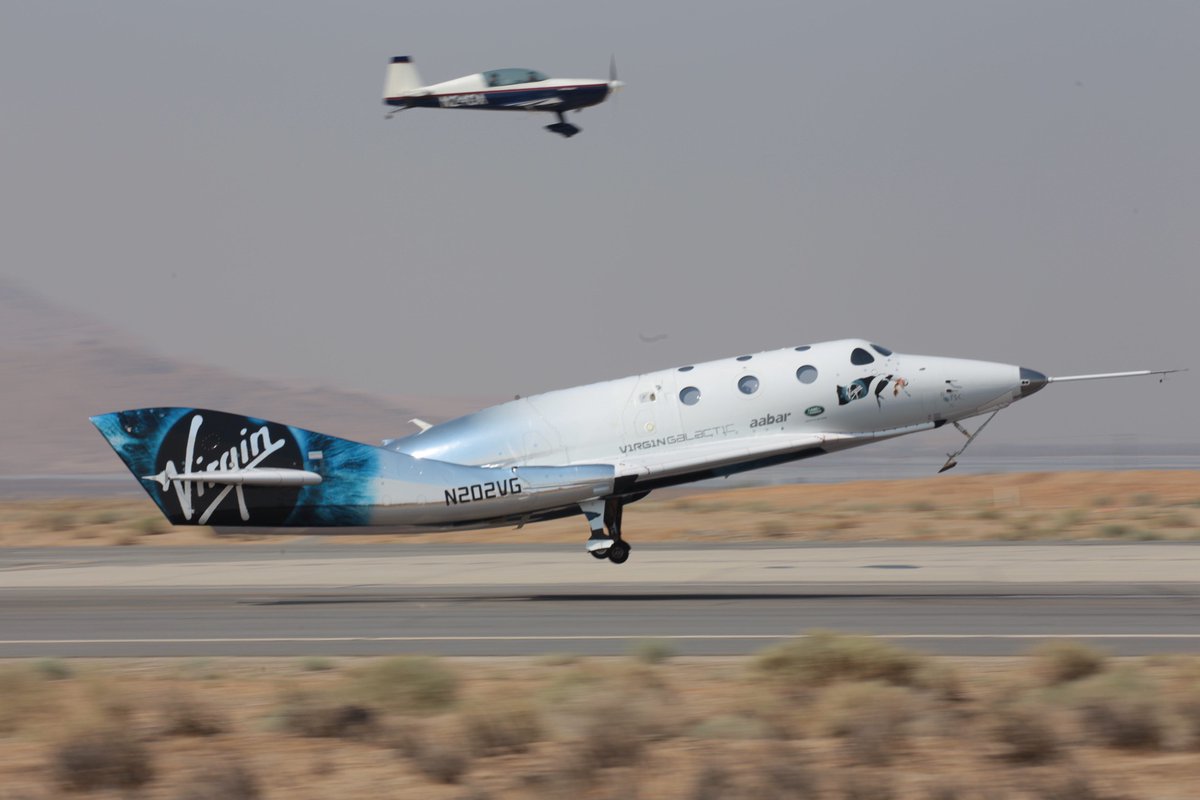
(770, 419)
(457, 100)
(679, 438)
(223, 443)
(475, 492)
(871, 385)
(814, 411)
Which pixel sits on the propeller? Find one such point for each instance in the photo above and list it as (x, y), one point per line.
(613, 83)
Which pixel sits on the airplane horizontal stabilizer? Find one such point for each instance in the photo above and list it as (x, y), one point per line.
(242, 477)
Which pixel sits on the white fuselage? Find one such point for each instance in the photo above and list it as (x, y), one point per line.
(646, 423)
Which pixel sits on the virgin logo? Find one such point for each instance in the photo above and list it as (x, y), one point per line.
(248, 453)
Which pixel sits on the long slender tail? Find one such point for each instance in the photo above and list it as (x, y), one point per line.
(215, 468)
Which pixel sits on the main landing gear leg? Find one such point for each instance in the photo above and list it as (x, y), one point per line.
(618, 552)
(562, 127)
(601, 514)
(599, 542)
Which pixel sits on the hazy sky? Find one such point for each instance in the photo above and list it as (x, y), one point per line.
(1014, 181)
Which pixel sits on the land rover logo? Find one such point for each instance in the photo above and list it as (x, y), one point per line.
(814, 411)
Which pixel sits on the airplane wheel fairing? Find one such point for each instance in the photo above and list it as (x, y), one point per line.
(599, 554)
(618, 553)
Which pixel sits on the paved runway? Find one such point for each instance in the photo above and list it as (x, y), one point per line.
(323, 598)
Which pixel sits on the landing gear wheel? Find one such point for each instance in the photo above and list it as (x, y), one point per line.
(618, 553)
(600, 554)
(563, 128)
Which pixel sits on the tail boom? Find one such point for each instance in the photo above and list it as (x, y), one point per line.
(206, 467)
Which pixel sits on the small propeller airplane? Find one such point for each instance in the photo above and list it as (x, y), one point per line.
(510, 89)
(589, 450)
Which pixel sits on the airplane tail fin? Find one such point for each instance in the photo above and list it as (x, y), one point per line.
(214, 468)
(402, 78)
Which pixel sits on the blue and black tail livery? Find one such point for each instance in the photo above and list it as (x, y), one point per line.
(207, 467)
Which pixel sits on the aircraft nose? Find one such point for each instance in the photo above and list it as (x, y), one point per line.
(615, 86)
(1031, 381)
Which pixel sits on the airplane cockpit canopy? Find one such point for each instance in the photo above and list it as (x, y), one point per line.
(861, 357)
(511, 75)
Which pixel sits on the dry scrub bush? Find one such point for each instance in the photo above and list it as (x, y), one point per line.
(713, 782)
(306, 715)
(873, 718)
(823, 657)
(224, 782)
(784, 777)
(940, 679)
(316, 664)
(406, 684)
(150, 526)
(1027, 730)
(57, 521)
(653, 651)
(53, 669)
(103, 758)
(1068, 787)
(441, 761)
(502, 725)
(1121, 709)
(183, 715)
(578, 694)
(613, 736)
(730, 727)
(1064, 661)
(1189, 715)
(23, 695)
(867, 786)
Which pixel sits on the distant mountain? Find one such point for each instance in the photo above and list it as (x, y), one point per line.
(59, 366)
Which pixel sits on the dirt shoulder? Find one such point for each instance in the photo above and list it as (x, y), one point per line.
(1130, 506)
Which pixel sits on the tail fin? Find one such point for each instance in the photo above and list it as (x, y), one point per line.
(402, 78)
(213, 468)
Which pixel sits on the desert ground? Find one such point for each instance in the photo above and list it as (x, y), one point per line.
(1140, 505)
(826, 716)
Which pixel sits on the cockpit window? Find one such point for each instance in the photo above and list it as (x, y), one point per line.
(878, 348)
(510, 76)
(860, 357)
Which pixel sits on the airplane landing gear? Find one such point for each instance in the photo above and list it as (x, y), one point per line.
(618, 553)
(603, 514)
(563, 128)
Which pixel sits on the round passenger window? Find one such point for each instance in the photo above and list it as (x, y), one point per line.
(748, 384)
(803, 347)
(744, 358)
(806, 374)
(861, 357)
(686, 369)
(689, 395)
(883, 351)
